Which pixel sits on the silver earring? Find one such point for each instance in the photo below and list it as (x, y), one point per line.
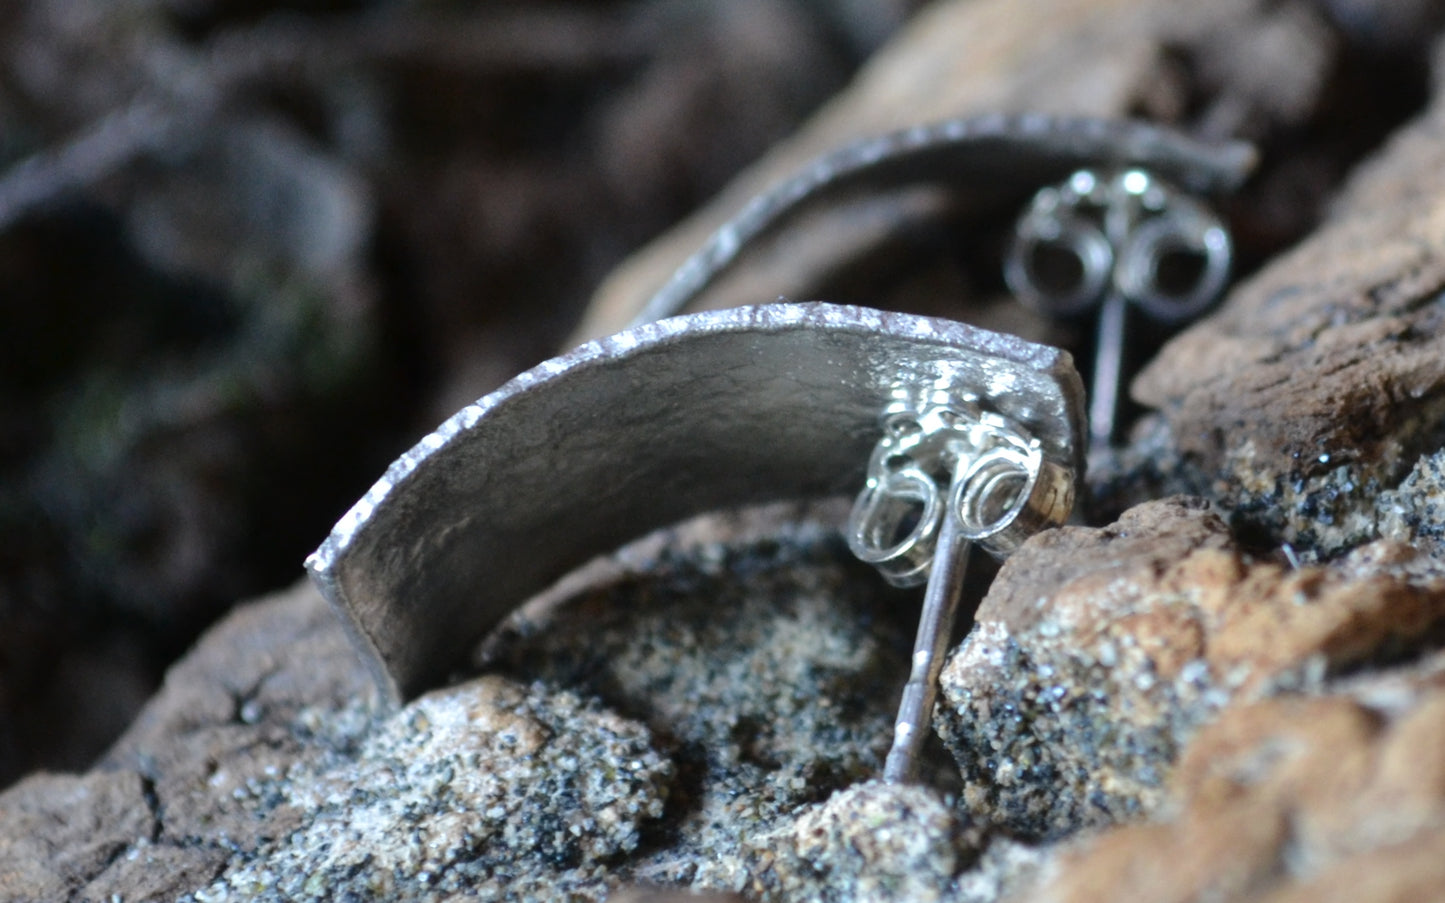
(945, 476)
(631, 433)
(958, 436)
(975, 157)
(1109, 242)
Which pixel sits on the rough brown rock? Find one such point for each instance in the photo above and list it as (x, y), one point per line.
(1297, 798)
(61, 830)
(236, 713)
(1311, 403)
(1098, 652)
(192, 783)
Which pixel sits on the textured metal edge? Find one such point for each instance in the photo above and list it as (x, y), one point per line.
(328, 561)
(938, 152)
(767, 317)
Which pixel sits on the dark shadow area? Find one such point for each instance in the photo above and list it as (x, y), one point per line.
(250, 250)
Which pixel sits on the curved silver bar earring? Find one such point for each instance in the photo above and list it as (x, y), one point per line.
(631, 433)
(981, 154)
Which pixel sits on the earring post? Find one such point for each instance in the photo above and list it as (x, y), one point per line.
(1106, 387)
(941, 600)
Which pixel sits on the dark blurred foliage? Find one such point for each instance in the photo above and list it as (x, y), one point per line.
(251, 249)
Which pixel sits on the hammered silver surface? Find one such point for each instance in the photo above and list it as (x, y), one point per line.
(637, 431)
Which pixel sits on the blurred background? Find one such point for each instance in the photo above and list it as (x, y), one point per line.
(250, 250)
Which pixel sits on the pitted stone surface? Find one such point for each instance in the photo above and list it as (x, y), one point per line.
(1099, 652)
(882, 841)
(489, 784)
(771, 692)
(1162, 708)
(1317, 797)
(61, 830)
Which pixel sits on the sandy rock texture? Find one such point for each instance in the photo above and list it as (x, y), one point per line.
(1099, 652)
(879, 840)
(191, 769)
(486, 780)
(1232, 690)
(1333, 796)
(694, 713)
(1310, 404)
(1273, 73)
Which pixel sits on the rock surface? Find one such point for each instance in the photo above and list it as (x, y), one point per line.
(60, 830)
(1311, 405)
(693, 713)
(1233, 695)
(882, 841)
(1303, 797)
(488, 783)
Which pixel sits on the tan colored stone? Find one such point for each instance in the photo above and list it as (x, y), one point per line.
(1222, 858)
(1409, 872)
(1097, 564)
(1276, 752)
(1409, 774)
(1290, 799)
(1170, 579)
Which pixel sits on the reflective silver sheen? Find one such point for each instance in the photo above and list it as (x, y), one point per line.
(637, 431)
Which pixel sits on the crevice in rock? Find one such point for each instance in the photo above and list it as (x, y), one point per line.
(246, 705)
(153, 804)
(1396, 651)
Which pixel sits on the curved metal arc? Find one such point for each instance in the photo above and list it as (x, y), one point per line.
(637, 431)
(980, 150)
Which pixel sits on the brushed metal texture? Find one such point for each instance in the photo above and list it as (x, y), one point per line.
(637, 431)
